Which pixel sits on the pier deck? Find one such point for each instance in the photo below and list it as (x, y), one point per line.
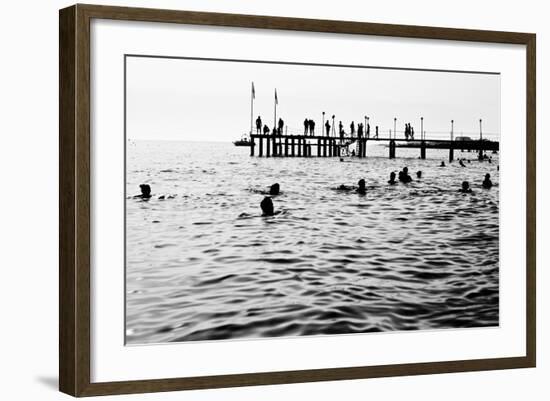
(330, 146)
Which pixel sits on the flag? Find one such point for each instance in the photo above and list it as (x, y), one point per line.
(253, 91)
(276, 100)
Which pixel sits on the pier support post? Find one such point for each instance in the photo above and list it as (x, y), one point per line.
(299, 147)
(480, 154)
(451, 153)
(318, 148)
(359, 148)
(286, 147)
(423, 150)
(293, 151)
(267, 147)
(305, 147)
(261, 147)
(324, 148)
(274, 146)
(392, 149)
(330, 148)
(252, 145)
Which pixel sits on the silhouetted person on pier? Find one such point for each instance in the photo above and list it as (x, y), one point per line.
(392, 178)
(145, 192)
(487, 183)
(411, 132)
(442, 164)
(404, 176)
(376, 132)
(341, 130)
(419, 174)
(327, 128)
(361, 189)
(281, 126)
(352, 128)
(306, 126)
(267, 206)
(274, 132)
(360, 130)
(274, 189)
(465, 188)
(311, 127)
(258, 125)
(407, 131)
(266, 130)
(368, 130)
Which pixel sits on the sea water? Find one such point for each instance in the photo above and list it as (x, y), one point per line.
(204, 264)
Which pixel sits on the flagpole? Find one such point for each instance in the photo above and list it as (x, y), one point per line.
(275, 112)
(252, 109)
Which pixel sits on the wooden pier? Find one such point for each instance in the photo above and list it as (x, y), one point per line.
(329, 146)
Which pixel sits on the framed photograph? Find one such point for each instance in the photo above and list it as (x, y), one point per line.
(249, 200)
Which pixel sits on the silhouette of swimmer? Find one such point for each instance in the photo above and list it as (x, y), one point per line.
(461, 162)
(465, 188)
(404, 175)
(442, 164)
(274, 189)
(361, 189)
(419, 174)
(392, 178)
(487, 183)
(145, 192)
(267, 206)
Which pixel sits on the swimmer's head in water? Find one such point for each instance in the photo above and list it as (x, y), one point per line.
(392, 176)
(405, 170)
(341, 159)
(419, 174)
(274, 189)
(267, 206)
(145, 190)
(465, 185)
(487, 176)
(361, 184)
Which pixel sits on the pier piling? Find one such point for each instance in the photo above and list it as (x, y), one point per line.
(423, 150)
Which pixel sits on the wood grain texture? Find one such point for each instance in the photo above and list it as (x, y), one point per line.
(74, 199)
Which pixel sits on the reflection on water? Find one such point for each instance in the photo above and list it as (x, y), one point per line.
(205, 265)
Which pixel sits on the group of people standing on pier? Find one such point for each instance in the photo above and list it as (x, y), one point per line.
(409, 132)
(309, 127)
(277, 131)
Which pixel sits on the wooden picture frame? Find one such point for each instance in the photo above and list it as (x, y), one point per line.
(74, 199)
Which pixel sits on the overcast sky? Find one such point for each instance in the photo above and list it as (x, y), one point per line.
(179, 99)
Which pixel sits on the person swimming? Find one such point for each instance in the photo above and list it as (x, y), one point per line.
(145, 191)
(487, 183)
(267, 206)
(392, 178)
(442, 164)
(274, 189)
(419, 174)
(404, 176)
(465, 188)
(461, 162)
(361, 189)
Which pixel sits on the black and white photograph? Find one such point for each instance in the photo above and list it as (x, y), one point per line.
(278, 199)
